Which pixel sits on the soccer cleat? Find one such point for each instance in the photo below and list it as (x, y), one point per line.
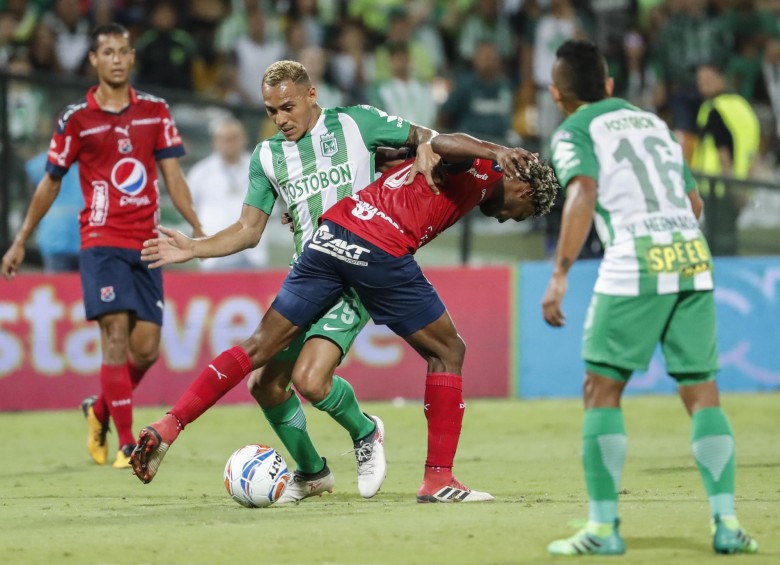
(153, 444)
(96, 432)
(728, 537)
(452, 491)
(371, 462)
(304, 485)
(123, 456)
(593, 539)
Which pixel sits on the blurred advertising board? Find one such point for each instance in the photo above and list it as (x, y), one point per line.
(50, 356)
(747, 299)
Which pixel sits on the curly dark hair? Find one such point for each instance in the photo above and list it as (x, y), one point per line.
(541, 178)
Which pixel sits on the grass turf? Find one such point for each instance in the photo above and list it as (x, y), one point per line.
(56, 507)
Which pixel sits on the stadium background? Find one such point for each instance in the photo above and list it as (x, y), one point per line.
(200, 54)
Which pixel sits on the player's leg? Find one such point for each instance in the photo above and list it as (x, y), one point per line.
(396, 293)
(223, 373)
(604, 444)
(116, 386)
(690, 350)
(303, 295)
(144, 348)
(620, 336)
(326, 342)
(106, 278)
(270, 386)
(443, 350)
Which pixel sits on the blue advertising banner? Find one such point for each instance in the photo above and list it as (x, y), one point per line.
(747, 297)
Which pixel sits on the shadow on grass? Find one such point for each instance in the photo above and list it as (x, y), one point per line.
(666, 543)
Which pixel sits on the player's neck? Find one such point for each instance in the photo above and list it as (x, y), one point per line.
(112, 99)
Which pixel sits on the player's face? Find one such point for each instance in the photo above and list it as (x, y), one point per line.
(514, 202)
(113, 59)
(292, 107)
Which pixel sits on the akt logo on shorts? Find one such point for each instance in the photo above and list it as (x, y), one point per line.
(324, 242)
(107, 294)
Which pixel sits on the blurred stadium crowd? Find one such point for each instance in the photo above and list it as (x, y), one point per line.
(478, 66)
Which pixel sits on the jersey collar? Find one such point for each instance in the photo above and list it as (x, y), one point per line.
(93, 105)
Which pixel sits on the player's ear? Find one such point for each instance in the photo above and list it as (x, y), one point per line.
(609, 86)
(555, 93)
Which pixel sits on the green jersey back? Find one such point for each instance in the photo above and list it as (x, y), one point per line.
(334, 160)
(652, 240)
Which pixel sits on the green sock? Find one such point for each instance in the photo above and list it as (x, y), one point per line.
(342, 405)
(713, 448)
(289, 423)
(603, 455)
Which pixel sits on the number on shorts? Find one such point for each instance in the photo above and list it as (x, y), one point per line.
(347, 313)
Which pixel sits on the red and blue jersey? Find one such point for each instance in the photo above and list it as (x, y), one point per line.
(400, 219)
(117, 154)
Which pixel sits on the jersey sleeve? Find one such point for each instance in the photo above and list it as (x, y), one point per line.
(261, 193)
(64, 147)
(168, 142)
(377, 128)
(572, 155)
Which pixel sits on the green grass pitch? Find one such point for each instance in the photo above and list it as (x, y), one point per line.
(56, 507)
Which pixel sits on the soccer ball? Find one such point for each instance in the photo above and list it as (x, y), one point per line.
(256, 476)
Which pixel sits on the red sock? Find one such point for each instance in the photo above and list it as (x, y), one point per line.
(136, 373)
(101, 407)
(227, 370)
(444, 411)
(118, 394)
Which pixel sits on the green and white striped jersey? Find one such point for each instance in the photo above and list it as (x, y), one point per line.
(652, 240)
(333, 161)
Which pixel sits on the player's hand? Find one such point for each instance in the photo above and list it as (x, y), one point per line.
(198, 233)
(514, 161)
(12, 260)
(173, 247)
(287, 219)
(424, 164)
(552, 300)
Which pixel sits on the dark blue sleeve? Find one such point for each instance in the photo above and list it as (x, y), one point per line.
(168, 152)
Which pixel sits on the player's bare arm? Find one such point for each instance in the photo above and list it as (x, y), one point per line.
(457, 147)
(420, 137)
(175, 247)
(180, 193)
(45, 193)
(575, 225)
(696, 203)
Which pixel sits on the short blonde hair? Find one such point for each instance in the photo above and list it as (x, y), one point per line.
(282, 71)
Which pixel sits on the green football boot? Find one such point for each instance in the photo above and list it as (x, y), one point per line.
(593, 539)
(729, 537)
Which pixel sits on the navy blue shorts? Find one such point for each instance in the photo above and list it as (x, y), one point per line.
(393, 289)
(114, 279)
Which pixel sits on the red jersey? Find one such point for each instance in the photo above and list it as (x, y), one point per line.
(117, 154)
(400, 219)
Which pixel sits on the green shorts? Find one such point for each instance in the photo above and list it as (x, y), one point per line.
(622, 332)
(341, 324)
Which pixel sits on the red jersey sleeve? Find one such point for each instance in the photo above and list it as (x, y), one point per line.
(65, 145)
(169, 142)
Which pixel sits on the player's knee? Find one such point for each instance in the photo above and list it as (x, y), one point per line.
(146, 355)
(266, 393)
(115, 336)
(454, 355)
(448, 358)
(311, 384)
(601, 392)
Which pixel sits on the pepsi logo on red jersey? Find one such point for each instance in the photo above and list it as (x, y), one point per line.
(129, 176)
